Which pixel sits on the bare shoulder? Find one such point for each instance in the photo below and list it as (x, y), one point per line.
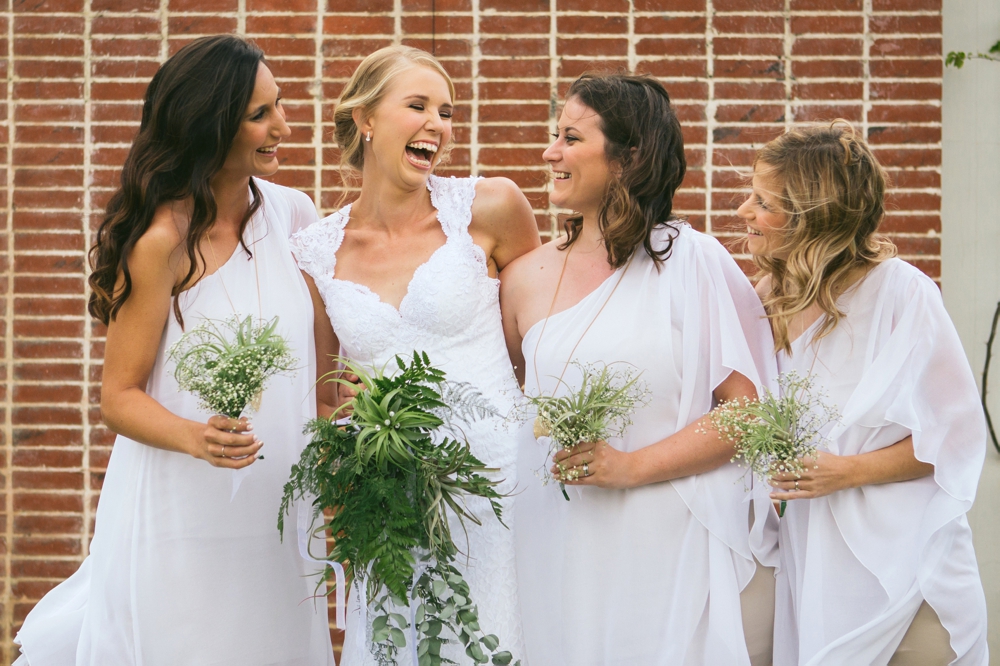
(531, 266)
(160, 248)
(763, 286)
(496, 192)
(499, 204)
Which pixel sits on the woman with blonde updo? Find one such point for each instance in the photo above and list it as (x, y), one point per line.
(412, 265)
(875, 557)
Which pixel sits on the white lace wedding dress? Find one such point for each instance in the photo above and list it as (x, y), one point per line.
(451, 311)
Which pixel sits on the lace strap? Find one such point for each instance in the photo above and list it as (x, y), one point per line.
(315, 247)
(453, 197)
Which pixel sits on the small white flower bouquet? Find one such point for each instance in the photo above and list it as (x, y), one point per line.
(776, 433)
(600, 408)
(227, 363)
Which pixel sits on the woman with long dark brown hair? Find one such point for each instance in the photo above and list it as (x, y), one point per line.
(186, 566)
(646, 563)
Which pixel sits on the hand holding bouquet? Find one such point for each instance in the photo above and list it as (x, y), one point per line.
(777, 433)
(226, 364)
(389, 477)
(600, 408)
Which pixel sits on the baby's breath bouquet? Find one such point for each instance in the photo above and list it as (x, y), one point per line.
(226, 363)
(601, 407)
(776, 433)
(389, 475)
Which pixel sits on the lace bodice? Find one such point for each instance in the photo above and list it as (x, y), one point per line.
(451, 311)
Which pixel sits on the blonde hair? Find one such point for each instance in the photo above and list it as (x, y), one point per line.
(365, 90)
(832, 190)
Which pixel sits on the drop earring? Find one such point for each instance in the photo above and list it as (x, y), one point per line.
(368, 137)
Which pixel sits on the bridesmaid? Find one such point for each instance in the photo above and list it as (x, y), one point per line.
(181, 570)
(876, 558)
(646, 563)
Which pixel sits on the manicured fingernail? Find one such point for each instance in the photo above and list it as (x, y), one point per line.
(258, 456)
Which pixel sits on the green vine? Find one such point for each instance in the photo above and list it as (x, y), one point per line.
(958, 58)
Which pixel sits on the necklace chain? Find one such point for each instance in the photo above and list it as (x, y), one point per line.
(256, 271)
(569, 358)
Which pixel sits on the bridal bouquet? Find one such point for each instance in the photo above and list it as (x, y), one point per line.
(776, 433)
(600, 408)
(227, 363)
(389, 475)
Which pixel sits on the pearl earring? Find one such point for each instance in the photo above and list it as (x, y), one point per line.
(368, 137)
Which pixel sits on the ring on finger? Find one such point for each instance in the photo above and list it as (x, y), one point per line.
(223, 454)
(586, 469)
(796, 485)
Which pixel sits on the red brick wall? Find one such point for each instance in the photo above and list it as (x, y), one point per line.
(740, 72)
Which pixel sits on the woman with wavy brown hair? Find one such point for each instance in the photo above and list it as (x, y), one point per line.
(186, 566)
(646, 563)
(876, 564)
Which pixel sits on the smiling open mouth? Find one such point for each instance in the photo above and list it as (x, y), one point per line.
(421, 153)
(560, 175)
(269, 151)
(753, 232)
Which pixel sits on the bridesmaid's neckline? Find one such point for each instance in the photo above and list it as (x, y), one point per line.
(580, 302)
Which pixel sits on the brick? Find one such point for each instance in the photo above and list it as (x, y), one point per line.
(930, 46)
(803, 25)
(756, 25)
(201, 25)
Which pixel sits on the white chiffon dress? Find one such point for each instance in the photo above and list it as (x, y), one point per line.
(451, 311)
(649, 575)
(855, 566)
(181, 571)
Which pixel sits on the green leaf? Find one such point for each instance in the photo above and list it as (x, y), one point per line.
(397, 637)
(476, 653)
(491, 642)
(502, 658)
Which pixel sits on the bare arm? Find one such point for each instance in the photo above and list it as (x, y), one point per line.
(509, 286)
(829, 473)
(132, 343)
(501, 213)
(327, 346)
(693, 450)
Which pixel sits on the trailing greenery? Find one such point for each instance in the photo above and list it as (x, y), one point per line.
(390, 477)
(226, 363)
(600, 408)
(957, 58)
(777, 433)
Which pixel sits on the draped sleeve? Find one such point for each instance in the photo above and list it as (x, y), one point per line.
(894, 367)
(723, 330)
(920, 379)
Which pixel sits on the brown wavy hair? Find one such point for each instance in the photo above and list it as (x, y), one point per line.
(832, 190)
(643, 141)
(191, 113)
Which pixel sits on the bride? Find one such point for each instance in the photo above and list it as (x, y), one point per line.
(412, 265)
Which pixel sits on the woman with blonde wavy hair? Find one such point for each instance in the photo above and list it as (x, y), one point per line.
(875, 557)
(646, 563)
(411, 265)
